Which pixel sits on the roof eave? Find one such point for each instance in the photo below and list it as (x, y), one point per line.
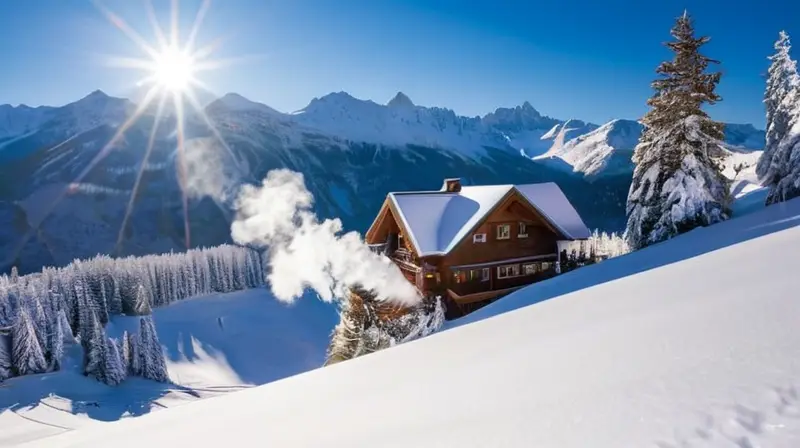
(396, 207)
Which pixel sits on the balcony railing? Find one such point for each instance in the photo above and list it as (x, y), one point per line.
(379, 249)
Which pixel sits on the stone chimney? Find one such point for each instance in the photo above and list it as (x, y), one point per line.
(452, 185)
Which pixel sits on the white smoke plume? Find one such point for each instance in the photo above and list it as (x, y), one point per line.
(210, 169)
(304, 252)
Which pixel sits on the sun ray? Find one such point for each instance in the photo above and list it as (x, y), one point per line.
(196, 105)
(140, 174)
(174, 26)
(151, 16)
(171, 68)
(207, 50)
(203, 66)
(181, 165)
(128, 62)
(198, 21)
(148, 98)
(125, 28)
(50, 205)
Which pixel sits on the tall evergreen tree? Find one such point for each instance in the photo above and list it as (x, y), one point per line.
(782, 79)
(94, 349)
(151, 356)
(142, 306)
(5, 357)
(115, 304)
(677, 183)
(56, 343)
(68, 334)
(26, 351)
(135, 357)
(115, 371)
(102, 303)
(125, 351)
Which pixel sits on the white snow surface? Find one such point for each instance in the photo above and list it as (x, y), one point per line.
(692, 342)
(438, 221)
(213, 345)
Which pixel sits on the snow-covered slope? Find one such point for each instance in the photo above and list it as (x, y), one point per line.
(606, 150)
(15, 121)
(213, 345)
(692, 342)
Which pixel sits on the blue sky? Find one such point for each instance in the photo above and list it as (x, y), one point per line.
(571, 58)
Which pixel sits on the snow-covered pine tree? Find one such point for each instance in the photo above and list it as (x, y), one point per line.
(94, 350)
(151, 356)
(5, 357)
(5, 309)
(26, 351)
(115, 302)
(135, 357)
(56, 343)
(677, 183)
(102, 302)
(69, 335)
(781, 159)
(125, 351)
(142, 306)
(84, 308)
(40, 320)
(115, 371)
(347, 335)
(782, 79)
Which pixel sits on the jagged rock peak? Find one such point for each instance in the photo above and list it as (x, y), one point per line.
(400, 100)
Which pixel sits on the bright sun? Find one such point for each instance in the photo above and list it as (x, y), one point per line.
(173, 69)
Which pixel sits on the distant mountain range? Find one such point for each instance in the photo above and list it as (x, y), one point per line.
(351, 151)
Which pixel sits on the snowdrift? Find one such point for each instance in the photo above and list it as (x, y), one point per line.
(692, 342)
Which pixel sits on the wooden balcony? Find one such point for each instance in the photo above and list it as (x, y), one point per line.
(480, 296)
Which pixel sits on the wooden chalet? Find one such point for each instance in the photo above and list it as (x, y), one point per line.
(474, 244)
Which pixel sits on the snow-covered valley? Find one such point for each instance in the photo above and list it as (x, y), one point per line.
(691, 342)
(213, 344)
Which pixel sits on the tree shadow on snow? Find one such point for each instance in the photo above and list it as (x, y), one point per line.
(69, 391)
(769, 220)
(247, 337)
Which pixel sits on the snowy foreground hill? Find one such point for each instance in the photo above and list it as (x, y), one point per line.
(690, 343)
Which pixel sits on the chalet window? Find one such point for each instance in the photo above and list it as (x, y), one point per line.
(504, 231)
(529, 269)
(474, 274)
(523, 230)
(460, 276)
(546, 266)
(485, 274)
(479, 238)
(511, 270)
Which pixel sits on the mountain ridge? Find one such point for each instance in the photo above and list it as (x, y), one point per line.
(350, 151)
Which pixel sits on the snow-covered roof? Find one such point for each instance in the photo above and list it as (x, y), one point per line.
(437, 221)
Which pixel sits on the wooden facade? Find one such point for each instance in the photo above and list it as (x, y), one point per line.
(512, 246)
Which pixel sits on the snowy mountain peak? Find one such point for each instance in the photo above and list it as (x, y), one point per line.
(400, 100)
(98, 99)
(519, 118)
(235, 102)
